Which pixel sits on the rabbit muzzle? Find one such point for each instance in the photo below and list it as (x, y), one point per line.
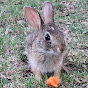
(59, 49)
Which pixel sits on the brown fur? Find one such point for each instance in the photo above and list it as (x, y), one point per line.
(44, 56)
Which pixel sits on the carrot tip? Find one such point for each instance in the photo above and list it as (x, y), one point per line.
(53, 81)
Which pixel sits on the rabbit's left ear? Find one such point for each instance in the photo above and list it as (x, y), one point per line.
(48, 13)
(33, 17)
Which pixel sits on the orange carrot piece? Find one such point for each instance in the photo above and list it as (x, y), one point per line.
(52, 81)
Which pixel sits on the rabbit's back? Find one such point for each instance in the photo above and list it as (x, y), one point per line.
(29, 41)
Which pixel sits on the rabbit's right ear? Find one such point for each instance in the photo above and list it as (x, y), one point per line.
(48, 13)
(32, 17)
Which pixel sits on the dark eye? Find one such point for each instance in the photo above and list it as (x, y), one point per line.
(47, 37)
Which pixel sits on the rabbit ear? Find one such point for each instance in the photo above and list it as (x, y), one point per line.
(33, 17)
(48, 13)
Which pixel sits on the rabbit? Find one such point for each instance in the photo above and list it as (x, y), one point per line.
(45, 46)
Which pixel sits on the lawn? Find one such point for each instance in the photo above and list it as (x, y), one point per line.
(71, 17)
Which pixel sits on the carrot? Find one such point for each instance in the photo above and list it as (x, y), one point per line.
(52, 82)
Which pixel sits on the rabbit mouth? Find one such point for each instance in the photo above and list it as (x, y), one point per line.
(56, 49)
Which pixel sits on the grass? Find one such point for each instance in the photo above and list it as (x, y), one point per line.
(69, 14)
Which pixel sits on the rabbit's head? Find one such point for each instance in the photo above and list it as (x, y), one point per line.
(49, 36)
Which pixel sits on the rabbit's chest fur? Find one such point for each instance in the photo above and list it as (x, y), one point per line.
(45, 61)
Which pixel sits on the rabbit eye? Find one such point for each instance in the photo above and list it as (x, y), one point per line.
(47, 37)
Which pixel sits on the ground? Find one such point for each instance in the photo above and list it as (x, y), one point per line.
(71, 17)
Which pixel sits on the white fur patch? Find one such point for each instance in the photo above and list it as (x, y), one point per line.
(52, 28)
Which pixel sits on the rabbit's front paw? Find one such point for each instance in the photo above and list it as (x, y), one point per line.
(37, 74)
(57, 73)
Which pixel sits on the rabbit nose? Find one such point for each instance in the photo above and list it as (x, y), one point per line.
(56, 49)
(61, 48)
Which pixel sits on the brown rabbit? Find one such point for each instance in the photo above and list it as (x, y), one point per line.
(45, 46)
